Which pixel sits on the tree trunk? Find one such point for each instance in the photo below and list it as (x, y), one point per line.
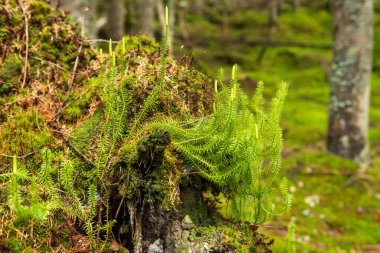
(197, 6)
(273, 12)
(296, 5)
(146, 17)
(83, 12)
(116, 19)
(280, 4)
(90, 27)
(172, 15)
(350, 80)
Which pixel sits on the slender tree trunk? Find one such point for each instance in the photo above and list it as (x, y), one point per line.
(116, 18)
(146, 16)
(182, 11)
(172, 15)
(273, 12)
(90, 25)
(350, 80)
(296, 4)
(83, 12)
(280, 6)
(197, 6)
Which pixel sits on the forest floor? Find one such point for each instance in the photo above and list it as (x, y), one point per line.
(336, 206)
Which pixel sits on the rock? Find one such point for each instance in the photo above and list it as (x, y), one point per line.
(156, 247)
(187, 223)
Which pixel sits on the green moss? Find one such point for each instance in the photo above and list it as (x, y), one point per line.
(10, 72)
(203, 233)
(24, 134)
(14, 244)
(52, 40)
(143, 45)
(41, 11)
(196, 207)
(335, 224)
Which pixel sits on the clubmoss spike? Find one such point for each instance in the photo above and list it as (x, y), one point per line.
(14, 164)
(101, 56)
(110, 47)
(234, 68)
(123, 46)
(167, 16)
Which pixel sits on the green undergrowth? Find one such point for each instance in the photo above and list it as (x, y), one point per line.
(346, 217)
(31, 102)
(88, 160)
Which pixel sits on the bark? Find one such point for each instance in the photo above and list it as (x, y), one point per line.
(89, 26)
(83, 12)
(296, 4)
(146, 17)
(182, 12)
(350, 79)
(197, 6)
(116, 19)
(172, 15)
(280, 4)
(273, 12)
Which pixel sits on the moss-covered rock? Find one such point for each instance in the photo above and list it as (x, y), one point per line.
(122, 180)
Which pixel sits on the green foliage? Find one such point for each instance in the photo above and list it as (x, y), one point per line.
(10, 70)
(24, 200)
(20, 135)
(238, 147)
(154, 126)
(75, 206)
(132, 141)
(290, 239)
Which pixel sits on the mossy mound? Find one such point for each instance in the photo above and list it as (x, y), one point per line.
(189, 92)
(54, 44)
(44, 63)
(121, 183)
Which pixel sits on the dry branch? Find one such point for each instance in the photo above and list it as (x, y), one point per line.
(254, 43)
(25, 14)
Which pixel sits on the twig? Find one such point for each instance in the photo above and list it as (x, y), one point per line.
(51, 63)
(18, 157)
(26, 42)
(101, 40)
(75, 99)
(68, 142)
(269, 226)
(5, 167)
(23, 156)
(288, 44)
(38, 124)
(73, 73)
(78, 152)
(118, 209)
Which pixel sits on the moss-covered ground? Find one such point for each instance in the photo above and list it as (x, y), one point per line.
(336, 207)
(87, 147)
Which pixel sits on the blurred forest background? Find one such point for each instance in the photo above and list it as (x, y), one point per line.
(337, 200)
